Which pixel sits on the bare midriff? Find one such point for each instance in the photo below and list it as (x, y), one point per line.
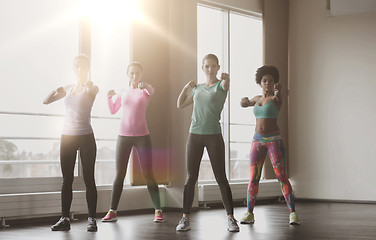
(266, 125)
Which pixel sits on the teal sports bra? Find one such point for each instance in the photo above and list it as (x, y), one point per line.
(268, 110)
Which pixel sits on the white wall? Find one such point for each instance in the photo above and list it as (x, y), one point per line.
(332, 103)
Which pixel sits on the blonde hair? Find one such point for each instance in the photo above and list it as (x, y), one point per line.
(135, 64)
(82, 56)
(210, 56)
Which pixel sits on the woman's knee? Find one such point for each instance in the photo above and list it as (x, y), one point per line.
(222, 180)
(68, 180)
(191, 180)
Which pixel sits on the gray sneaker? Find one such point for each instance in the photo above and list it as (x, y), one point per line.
(232, 225)
(92, 225)
(183, 225)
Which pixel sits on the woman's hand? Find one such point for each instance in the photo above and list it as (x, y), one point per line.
(277, 88)
(244, 102)
(89, 84)
(55, 95)
(60, 90)
(225, 78)
(191, 84)
(277, 91)
(141, 85)
(111, 93)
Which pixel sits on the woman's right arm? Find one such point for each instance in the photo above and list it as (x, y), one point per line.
(114, 106)
(245, 102)
(55, 95)
(185, 98)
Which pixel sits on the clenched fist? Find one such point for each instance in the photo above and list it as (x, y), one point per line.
(111, 93)
(244, 102)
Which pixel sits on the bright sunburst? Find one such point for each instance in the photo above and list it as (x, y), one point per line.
(109, 13)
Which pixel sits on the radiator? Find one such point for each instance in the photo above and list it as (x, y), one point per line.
(33, 205)
(210, 193)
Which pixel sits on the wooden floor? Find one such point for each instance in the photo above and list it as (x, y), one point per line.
(318, 221)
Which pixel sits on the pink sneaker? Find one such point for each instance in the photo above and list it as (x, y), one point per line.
(158, 217)
(111, 216)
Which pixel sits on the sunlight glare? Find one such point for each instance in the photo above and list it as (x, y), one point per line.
(110, 13)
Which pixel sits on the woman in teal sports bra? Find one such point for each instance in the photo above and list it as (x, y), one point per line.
(267, 139)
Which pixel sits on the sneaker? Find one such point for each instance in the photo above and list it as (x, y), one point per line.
(183, 225)
(294, 220)
(92, 225)
(232, 225)
(111, 216)
(158, 217)
(248, 218)
(62, 225)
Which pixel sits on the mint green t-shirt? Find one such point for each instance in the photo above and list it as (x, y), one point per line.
(207, 107)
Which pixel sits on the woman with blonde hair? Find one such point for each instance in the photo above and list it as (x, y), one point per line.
(133, 133)
(77, 135)
(205, 131)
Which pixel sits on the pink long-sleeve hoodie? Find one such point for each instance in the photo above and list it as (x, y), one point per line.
(134, 102)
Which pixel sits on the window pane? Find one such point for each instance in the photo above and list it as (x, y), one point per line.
(37, 48)
(110, 54)
(209, 36)
(105, 164)
(206, 172)
(242, 133)
(106, 132)
(209, 40)
(245, 58)
(240, 155)
(20, 158)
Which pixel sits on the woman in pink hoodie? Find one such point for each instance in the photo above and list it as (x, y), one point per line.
(133, 133)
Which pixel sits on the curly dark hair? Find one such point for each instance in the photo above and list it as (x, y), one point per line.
(267, 70)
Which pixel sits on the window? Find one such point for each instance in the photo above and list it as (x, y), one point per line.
(37, 50)
(110, 55)
(236, 39)
(37, 47)
(245, 58)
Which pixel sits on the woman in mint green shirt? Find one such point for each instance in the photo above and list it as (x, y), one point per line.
(205, 131)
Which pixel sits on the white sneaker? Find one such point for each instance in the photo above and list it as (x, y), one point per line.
(232, 225)
(183, 225)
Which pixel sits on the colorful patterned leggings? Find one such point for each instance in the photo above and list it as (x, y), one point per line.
(261, 145)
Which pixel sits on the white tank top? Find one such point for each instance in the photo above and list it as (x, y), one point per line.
(78, 114)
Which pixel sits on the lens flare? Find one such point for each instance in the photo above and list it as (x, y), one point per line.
(109, 13)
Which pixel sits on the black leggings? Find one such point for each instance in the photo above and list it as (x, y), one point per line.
(123, 150)
(68, 150)
(216, 150)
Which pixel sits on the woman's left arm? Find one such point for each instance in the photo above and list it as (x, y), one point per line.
(149, 88)
(225, 81)
(277, 98)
